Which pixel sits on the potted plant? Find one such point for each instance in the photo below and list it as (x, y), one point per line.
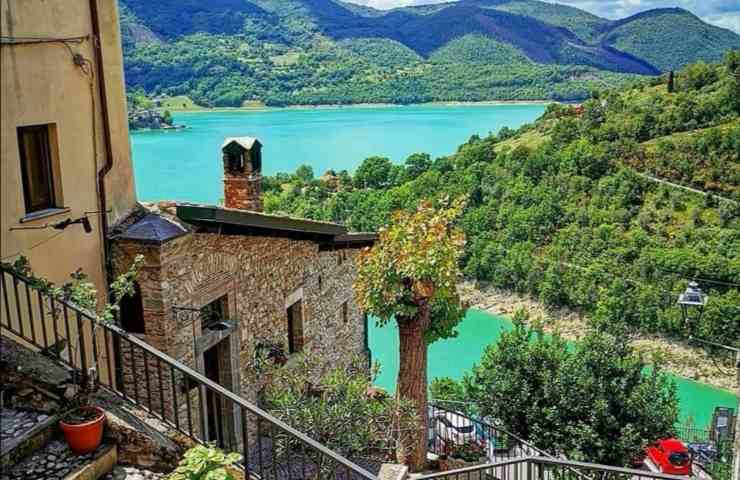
(83, 428)
(83, 424)
(465, 455)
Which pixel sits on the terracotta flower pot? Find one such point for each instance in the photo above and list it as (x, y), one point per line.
(84, 437)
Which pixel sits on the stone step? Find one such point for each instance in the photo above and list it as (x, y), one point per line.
(122, 472)
(22, 432)
(55, 461)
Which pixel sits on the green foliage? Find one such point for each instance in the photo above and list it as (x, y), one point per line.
(81, 292)
(304, 173)
(415, 257)
(204, 462)
(374, 172)
(670, 38)
(558, 210)
(594, 402)
(586, 25)
(298, 52)
(340, 409)
(450, 394)
(478, 49)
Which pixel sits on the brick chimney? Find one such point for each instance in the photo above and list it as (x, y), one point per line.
(242, 157)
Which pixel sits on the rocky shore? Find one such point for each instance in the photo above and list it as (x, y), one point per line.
(677, 357)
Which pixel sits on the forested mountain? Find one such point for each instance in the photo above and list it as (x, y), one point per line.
(225, 52)
(584, 208)
(669, 38)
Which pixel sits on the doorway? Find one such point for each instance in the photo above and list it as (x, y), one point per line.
(212, 369)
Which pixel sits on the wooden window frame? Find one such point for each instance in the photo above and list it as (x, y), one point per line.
(51, 161)
(296, 343)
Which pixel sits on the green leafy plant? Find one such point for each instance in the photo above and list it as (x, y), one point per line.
(340, 409)
(594, 401)
(205, 462)
(81, 292)
(471, 451)
(410, 275)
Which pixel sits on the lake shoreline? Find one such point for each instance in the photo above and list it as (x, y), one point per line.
(265, 108)
(679, 358)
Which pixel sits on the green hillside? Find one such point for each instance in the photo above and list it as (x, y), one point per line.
(562, 209)
(283, 52)
(586, 25)
(670, 38)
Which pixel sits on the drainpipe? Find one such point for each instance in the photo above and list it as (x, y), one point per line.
(108, 164)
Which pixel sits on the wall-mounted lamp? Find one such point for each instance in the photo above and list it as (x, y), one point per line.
(84, 221)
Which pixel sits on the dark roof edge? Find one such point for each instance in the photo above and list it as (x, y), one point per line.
(196, 214)
(351, 240)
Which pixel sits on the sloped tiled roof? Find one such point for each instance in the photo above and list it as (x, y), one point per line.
(246, 142)
(255, 222)
(152, 228)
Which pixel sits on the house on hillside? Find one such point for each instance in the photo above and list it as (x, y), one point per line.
(223, 285)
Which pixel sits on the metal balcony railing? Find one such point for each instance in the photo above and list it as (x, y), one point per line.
(508, 457)
(130, 368)
(543, 468)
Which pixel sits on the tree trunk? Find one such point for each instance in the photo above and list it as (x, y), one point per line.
(412, 378)
(736, 459)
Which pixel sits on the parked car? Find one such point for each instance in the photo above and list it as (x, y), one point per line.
(670, 456)
(452, 428)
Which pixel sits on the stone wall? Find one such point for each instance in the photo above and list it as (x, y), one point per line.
(243, 192)
(261, 276)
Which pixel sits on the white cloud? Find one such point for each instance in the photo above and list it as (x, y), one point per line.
(723, 13)
(729, 20)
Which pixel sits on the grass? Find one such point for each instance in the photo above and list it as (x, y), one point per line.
(256, 104)
(531, 139)
(180, 102)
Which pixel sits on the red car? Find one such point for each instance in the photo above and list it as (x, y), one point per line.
(671, 456)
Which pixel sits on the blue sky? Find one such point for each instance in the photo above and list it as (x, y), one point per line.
(724, 13)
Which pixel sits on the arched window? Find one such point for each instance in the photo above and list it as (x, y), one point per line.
(132, 311)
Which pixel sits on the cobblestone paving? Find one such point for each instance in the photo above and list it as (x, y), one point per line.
(121, 472)
(15, 423)
(53, 462)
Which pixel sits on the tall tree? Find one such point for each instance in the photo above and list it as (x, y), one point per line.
(411, 275)
(596, 401)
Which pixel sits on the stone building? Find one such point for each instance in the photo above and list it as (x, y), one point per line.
(221, 283)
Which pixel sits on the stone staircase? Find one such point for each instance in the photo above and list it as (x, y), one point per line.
(32, 399)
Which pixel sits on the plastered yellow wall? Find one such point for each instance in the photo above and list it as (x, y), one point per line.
(41, 84)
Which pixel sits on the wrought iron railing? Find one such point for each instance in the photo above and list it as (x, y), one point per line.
(498, 443)
(543, 468)
(164, 387)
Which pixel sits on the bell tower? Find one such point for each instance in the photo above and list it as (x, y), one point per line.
(242, 159)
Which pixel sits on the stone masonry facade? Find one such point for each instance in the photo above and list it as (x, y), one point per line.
(258, 276)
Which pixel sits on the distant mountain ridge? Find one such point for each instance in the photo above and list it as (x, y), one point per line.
(279, 44)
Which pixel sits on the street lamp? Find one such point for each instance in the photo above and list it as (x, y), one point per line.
(692, 303)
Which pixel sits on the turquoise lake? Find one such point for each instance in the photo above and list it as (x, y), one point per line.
(186, 165)
(453, 357)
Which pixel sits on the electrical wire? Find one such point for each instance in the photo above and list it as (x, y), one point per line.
(33, 246)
